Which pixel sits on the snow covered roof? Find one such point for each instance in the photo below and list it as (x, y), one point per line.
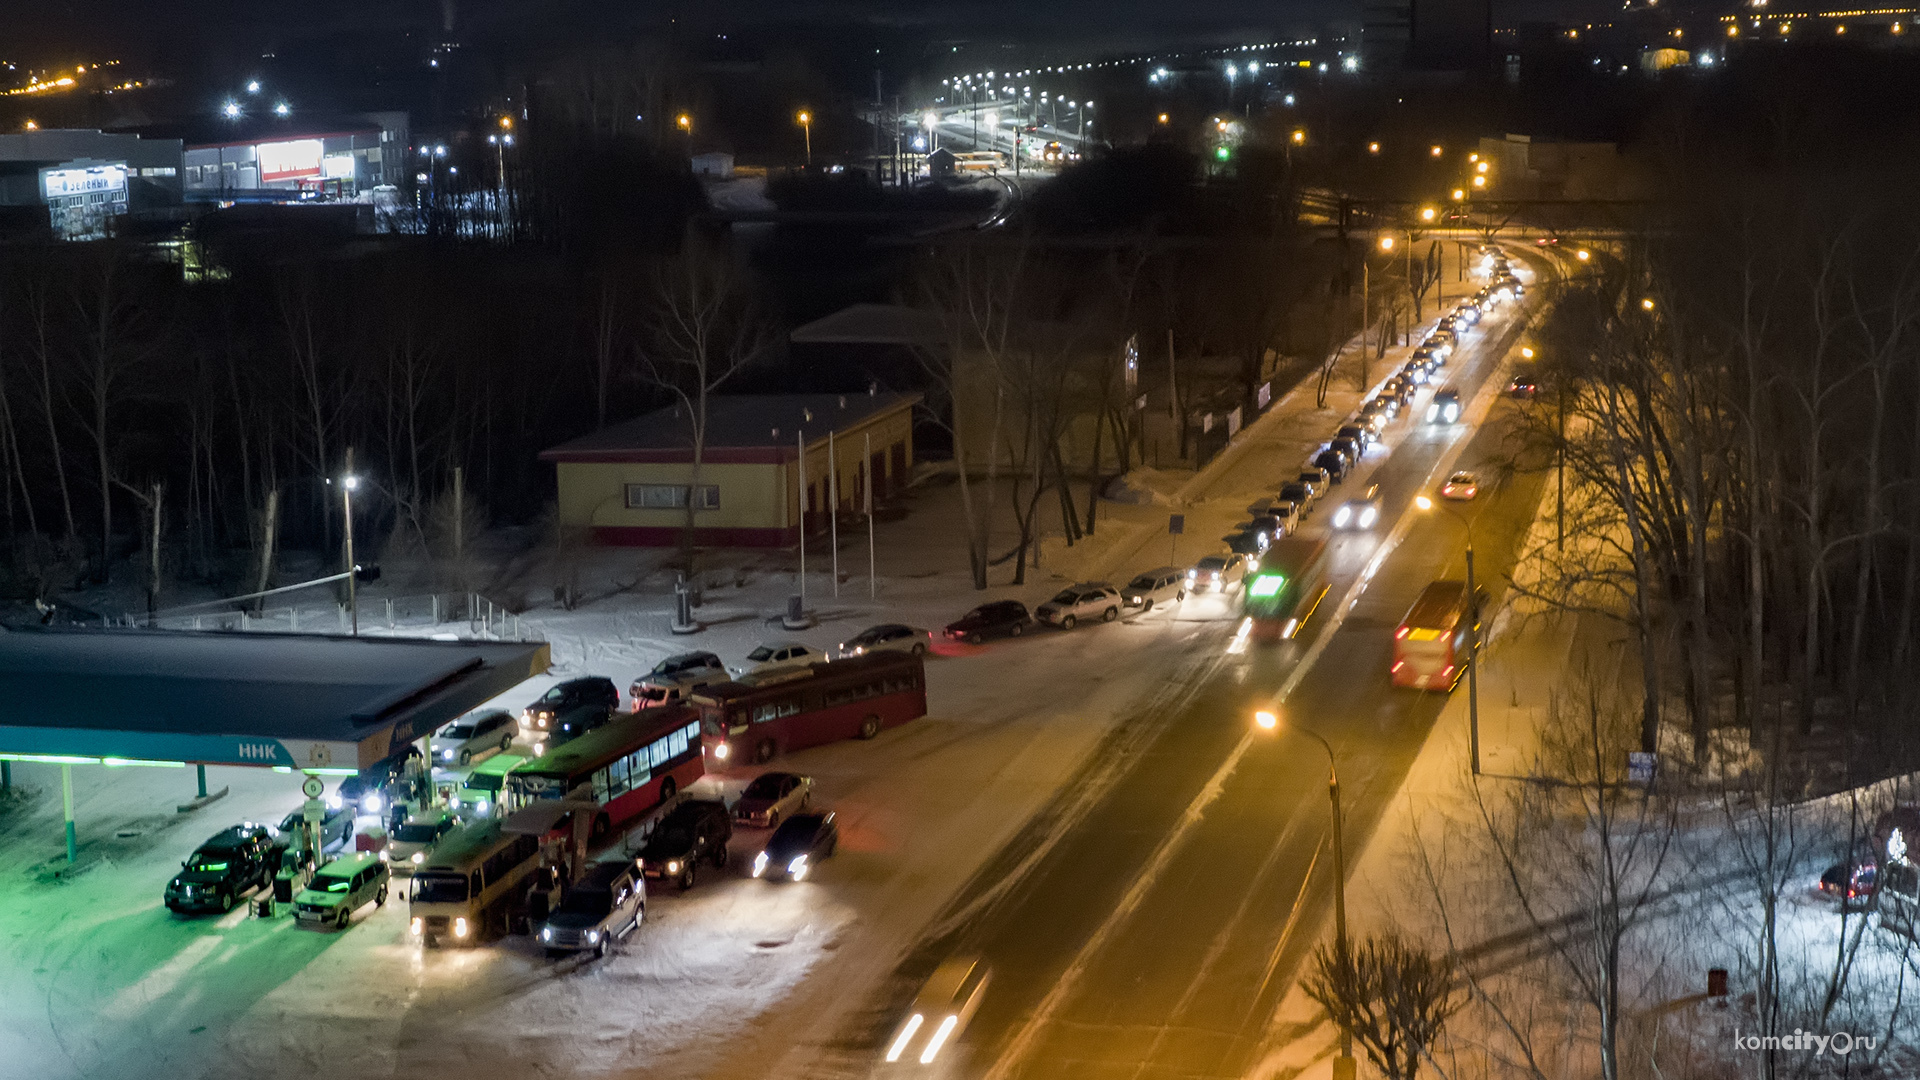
(872, 324)
(740, 427)
(298, 700)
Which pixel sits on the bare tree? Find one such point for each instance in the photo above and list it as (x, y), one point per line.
(704, 329)
(1393, 997)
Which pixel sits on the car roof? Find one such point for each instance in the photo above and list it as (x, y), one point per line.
(602, 875)
(944, 984)
(1090, 585)
(686, 657)
(346, 865)
(885, 628)
(781, 645)
(693, 809)
(801, 824)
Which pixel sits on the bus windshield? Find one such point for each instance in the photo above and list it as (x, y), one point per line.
(430, 888)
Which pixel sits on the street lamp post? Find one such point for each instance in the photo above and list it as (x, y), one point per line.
(347, 485)
(806, 125)
(1473, 635)
(1343, 1066)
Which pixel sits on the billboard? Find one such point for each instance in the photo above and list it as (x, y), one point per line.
(294, 159)
(65, 183)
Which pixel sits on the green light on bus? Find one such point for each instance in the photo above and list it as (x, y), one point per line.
(1268, 585)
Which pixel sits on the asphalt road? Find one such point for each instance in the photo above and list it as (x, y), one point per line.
(1148, 925)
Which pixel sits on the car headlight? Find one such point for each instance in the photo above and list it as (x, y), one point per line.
(759, 864)
(418, 858)
(546, 934)
(906, 1036)
(482, 807)
(416, 925)
(720, 751)
(1433, 411)
(593, 937)
(1341, 516)
(797, 869)
(446, 755)
(385, 855)
(370, 804)
(1191, 574)
(673, 867)
(1368, 516)
(459, 928)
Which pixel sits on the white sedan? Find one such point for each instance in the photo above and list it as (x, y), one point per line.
(779, 655)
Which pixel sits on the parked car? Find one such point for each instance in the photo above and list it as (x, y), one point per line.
(410, 844)
(1301, 495)
(1285, 516)
(887, 637)
(676, 677)
(607, 904)
(797, 846)
(1157, 586)
(1333, 463)
(1087, 600)
(1347, 446)
(941, 1010)
(1444, 408)
(1316, 478)
(1461, 485)
(1853, 883)
(1360, 513)
(772, 797)
(473, 735)
(231, 862)
(567, 709)
(1249, 539)
(340, 888)
(336, 823)
(1360, 434)
(696, 831)
(777, 656)
(1002, 618)
(1216, 572)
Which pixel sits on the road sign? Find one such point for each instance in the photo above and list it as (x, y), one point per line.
(1641, 767)
(312, 787)
(1176, 524)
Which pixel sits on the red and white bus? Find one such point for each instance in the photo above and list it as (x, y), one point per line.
(801, 707)
(1430, 647)
(628, 766)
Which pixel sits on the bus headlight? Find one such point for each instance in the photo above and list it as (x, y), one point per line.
(460, 928)
(416, 925)
(720, 751)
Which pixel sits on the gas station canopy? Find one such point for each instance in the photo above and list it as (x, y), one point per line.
(292, 701)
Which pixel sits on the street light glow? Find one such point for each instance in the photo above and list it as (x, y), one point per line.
(1386, 243)
(1373, 148)
(1299, 136)
(1266, 719)
(1582, 255)
(1647, 304)
(1427, 213)
(231, 110)
(1458, 194)
(1423, 502)
(684, 122)
(1436, 150)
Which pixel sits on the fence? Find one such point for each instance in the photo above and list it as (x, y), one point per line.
(407, 616)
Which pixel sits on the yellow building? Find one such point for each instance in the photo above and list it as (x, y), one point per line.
(631, 483)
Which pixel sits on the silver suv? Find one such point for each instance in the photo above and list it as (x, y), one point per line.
(1168, 583)
(608, 903)
(1087, 600)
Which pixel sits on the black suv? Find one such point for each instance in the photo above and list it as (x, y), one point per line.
(1334, 462)
(1008, 617)
(568, 709)
(695, 830)
(220, 870)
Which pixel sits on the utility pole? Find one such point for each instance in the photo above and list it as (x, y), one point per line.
(800, 440)
(1473, 658)
(873, 577)
(833, 509)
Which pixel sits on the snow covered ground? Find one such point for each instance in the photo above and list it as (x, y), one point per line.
(732, 979)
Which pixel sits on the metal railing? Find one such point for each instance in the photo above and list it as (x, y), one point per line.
(404, 616)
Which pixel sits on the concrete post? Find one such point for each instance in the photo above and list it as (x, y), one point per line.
(202, 771)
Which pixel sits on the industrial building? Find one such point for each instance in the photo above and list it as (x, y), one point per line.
(88, 179)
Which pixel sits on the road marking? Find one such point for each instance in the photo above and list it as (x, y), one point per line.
(1163, 854)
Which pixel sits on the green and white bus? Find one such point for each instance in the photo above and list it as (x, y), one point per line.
(468, 889)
